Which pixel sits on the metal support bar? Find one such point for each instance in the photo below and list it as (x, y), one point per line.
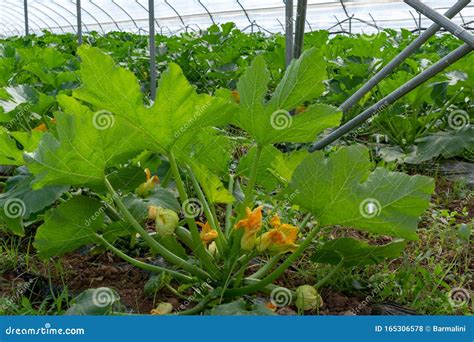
(394, 63)
(440, 19)
(394, 96)
(300, 27)
(106, 13)
(72, 13)
(151, 33)
(79, 22)
(25, 10)
(58, 25)
(127, 14)
(289, 31)
(71, 25)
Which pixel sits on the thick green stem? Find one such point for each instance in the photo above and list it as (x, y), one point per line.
(199, 248)
(276, 273)
(143, 265)
(152, 243)
(267, 267)
(221, 240)
(199, 307)
(329, 275)
(185, 236)
(228, 209)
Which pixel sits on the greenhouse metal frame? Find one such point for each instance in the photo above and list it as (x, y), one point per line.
(294, 30)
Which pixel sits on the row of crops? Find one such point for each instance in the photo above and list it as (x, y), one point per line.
(210, 186)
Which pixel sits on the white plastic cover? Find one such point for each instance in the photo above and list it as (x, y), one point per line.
(175, 16)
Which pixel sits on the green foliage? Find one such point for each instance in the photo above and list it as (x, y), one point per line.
(351, 252)
(69, 226)
(270, 122)
(341, 190)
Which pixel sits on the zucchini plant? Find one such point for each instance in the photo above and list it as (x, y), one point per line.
(89, 174)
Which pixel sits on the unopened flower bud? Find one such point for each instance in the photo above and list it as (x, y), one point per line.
(308, 298)
(166, 220)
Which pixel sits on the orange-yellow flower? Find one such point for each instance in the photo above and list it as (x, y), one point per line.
(145, 188)
(207, 233)
(252, 224)
(280, 239)
(42, 127)
(236, 96)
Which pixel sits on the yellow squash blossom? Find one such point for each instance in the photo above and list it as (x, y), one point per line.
(145, 188)
(280, 239)
(207, 233)
(163, 309)
(252, 224)
(42, 127)
(236, 96)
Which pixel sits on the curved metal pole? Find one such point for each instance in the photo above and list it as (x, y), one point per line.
(6, 30)
(29, 16)
(245, 12)
(90, 15)
(128, 15)
(208, 12)
(52, 19)
(146, 9)
(19, 17)
(177, 13)
(107, 14)
(59, 14)
(72, 13)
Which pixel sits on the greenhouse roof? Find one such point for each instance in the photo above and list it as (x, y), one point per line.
(175, 16)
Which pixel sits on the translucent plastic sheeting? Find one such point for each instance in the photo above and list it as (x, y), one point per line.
(175, 16)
